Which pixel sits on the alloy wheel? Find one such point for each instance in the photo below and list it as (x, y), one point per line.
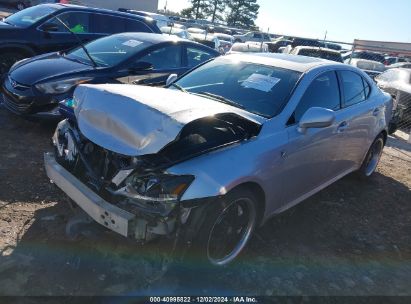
(231, 231)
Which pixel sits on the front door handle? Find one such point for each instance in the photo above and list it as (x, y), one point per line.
(342, 127)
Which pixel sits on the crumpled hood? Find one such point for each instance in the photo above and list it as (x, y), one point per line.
(136, 120)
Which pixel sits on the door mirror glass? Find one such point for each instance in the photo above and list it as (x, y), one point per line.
(171, 79)
(141, 66)
(50, 27)
(316, 117)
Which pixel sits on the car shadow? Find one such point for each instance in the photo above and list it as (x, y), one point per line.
(346, 240)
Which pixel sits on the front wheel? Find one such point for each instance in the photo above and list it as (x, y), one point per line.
(227, 227)
(372, 159)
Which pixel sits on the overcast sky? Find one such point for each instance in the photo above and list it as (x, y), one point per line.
(343, 20)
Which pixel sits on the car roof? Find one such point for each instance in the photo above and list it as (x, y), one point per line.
(61, 6)
(316, 48)
(297, 63)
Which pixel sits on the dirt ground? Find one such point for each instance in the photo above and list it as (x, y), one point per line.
(353, 238)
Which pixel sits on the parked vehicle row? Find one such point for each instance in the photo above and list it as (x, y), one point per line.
(49, 27)
(34, 87)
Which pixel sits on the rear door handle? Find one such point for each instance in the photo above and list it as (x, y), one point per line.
(376, 112)
(342, 127)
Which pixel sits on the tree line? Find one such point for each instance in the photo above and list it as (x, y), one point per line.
(237, 13)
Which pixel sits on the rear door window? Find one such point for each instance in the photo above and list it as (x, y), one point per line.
(353, 87)
(77, 22)
(137, 26)
(196, 56)
(106, 24)
(164, 58)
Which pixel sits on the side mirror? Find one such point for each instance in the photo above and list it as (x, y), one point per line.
(316, 118)
(171, 79)
(50, 27)
(141, 66)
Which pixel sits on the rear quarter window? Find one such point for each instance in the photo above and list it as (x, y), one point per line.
(356, 89)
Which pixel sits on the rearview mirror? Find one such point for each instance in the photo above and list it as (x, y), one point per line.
(50, 27)
(141, 66)
(316, 117)
(171, 79)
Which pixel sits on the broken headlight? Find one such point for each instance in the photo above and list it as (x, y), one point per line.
(156, 188)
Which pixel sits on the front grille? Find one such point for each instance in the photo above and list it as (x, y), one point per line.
(19, 108)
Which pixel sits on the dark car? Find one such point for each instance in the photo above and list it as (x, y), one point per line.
(273, 47)
(34, 86)
(307, 42)
(397, 83)
(367, 55)
(22, 4)
(37, 30)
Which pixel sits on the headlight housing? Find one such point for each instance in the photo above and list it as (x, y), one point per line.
(157, 188)
(60, 86)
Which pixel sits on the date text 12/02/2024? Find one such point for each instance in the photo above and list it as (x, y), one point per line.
(203, 299)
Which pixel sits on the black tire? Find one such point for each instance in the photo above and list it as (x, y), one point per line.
(372, 158)
(219, 229)
(9, 58)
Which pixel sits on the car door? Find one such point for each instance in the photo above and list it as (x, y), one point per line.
(361, 114)
(56, 37)
(165, 59)
(310, 156)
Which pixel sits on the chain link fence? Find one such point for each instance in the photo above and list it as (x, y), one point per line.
(387, 63)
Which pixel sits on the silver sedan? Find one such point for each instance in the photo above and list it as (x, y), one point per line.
(219, 151)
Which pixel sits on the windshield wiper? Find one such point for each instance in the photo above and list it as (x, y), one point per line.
(222, 99)
(179, 87)
(79, 41)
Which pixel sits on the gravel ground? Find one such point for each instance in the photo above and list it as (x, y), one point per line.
(353, 238)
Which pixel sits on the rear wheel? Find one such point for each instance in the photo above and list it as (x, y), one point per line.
(373, 158)
(227, 227)
(7, 59)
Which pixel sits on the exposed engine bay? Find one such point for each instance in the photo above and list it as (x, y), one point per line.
(140, 185)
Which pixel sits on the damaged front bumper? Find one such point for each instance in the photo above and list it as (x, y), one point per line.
(110, 216)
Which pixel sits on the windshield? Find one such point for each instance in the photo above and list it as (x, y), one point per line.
(259, 89)
(109, 51)
(30, 15)
(321, 54)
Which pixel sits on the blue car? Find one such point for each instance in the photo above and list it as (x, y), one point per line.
(34, 87)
